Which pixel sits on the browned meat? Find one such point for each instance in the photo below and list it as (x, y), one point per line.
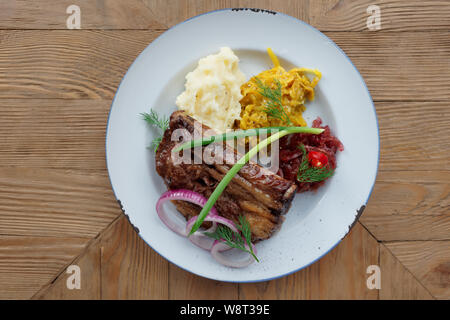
(255, 192)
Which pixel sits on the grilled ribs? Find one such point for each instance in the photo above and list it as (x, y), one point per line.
(255, 192)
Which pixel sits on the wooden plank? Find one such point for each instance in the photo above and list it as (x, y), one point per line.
(409, 197)
(90, 286)
(351, 15)
(301, 285)
(404, 227)
(117, 265)
(67, 64)
(341, 274)
(411, 193)
(27, 263)
(54, 133)
(50, 14)
(176, 11)
(409, 205)
(130, 269)
(428, 261)
(60, 64)
(185, 285)
(397, 283)
(404, 146)
(44, 202)
(400, 65)
(132, 14)
(327, 15)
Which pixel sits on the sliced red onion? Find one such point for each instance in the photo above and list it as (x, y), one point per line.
(199, 238)
(230, 261)
(180, 194)
(202, 240)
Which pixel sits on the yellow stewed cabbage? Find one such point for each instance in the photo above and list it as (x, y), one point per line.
(296, 88)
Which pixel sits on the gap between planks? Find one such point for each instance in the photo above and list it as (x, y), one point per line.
(409, 271)
(86, 249)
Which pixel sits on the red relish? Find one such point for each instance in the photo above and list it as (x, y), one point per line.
(291, 156)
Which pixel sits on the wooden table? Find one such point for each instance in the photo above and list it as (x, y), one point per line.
(56, 204)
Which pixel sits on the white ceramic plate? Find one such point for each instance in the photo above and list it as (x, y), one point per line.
(317, 221)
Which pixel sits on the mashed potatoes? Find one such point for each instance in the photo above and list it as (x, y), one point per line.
(213, 90)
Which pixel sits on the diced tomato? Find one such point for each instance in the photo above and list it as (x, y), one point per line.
(317, 159)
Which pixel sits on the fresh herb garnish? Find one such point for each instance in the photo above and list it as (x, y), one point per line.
(274, 106)
(308, 173)
(235, 239)
(154, 120)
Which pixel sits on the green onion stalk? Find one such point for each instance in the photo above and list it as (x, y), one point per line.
(226, 136)
(241, 162)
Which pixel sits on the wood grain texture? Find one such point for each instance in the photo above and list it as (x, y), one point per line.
(89, 263)
(403, 227)
(397, 283)
(104, 14)
(428, 261)
(130, 14)
(341, 274)
(400, 65)
(40, 202)
(414, 136)
(117, 265)
(327, 15)
(351, 15)
(54, 133)
(185, 285)
(63, 64)
(130, 269)
(68, 64)
(301, 285)
(409, 205)
(176, 11)
(28, 263)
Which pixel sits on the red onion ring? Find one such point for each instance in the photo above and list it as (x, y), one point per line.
(219, 246)
(202, 240)
(199, 238)
(179, 194)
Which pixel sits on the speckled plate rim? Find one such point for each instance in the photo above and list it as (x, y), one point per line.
(358, 211)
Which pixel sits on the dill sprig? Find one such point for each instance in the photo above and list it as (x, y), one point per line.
(274, 106)
(154, 120)
(234, 239)
(308, 173)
